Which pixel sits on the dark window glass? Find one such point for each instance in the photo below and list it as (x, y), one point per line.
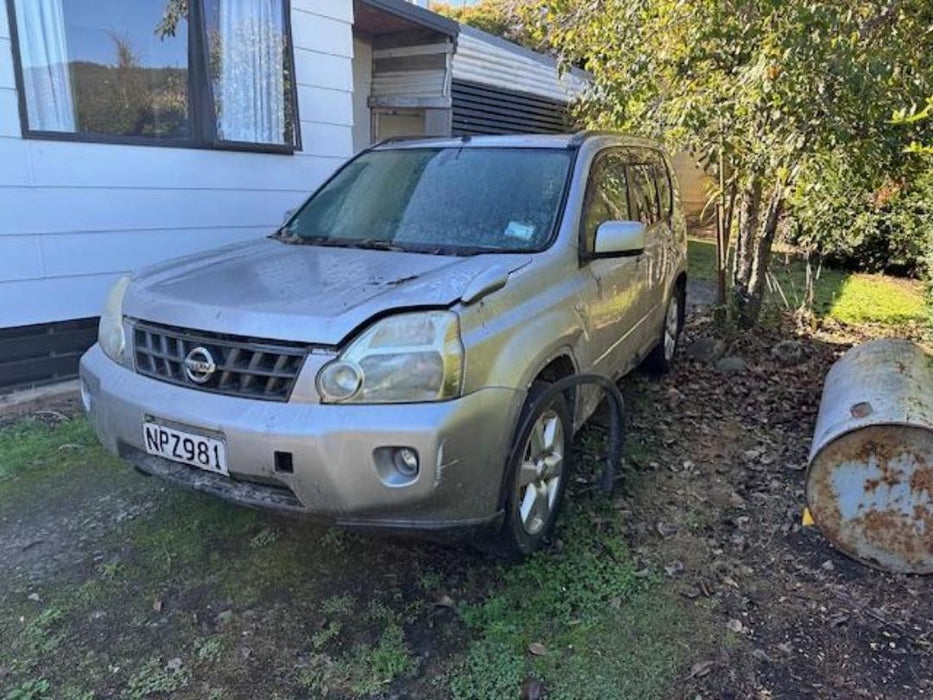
(119, 68)
(665, 196)
(439, 199)
(606, 196)
(98, 67)
(643, 193)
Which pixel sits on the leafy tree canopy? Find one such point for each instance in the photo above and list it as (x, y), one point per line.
(759, 89)
(502, 18)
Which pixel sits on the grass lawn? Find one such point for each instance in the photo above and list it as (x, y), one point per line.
(846, 297)
(191, 597)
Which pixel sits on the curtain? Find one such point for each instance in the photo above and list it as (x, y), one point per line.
(250, 82)
(44, 56)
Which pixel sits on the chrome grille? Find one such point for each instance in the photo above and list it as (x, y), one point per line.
(245, 367)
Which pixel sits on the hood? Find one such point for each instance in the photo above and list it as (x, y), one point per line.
(304, 293)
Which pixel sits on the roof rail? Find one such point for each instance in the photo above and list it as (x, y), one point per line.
(401, 139)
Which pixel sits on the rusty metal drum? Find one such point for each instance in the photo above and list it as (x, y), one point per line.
(870, 478)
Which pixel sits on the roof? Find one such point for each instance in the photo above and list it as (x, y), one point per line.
(520, 50)
(417, 15)
(513, 141)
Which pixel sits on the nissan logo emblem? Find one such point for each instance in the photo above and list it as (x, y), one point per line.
(199, 365)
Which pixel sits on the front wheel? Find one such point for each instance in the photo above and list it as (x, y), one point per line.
(537, 474)
(661, 358)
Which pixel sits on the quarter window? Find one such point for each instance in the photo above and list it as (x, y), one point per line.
(170, 72)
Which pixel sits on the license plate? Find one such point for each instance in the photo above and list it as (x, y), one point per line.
(179, 446)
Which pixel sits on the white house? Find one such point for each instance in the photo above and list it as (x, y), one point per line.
(137, 130)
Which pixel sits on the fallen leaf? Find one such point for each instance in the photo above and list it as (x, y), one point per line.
(444, 601)
(700, 669)
(537, 649)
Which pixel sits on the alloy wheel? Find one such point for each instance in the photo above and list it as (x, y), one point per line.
(541, 471)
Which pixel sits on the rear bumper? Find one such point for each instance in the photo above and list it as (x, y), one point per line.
(337, 475)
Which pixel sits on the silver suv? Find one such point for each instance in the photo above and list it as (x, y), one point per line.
(370, 363)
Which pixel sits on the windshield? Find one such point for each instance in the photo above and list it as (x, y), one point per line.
(441, 200)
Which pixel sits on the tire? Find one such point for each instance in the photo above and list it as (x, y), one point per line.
(535, 482)
(661, 358)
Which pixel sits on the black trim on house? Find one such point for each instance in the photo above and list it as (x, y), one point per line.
(482, 109)
(44, 352)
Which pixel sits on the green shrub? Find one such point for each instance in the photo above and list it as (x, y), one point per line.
(867, 222)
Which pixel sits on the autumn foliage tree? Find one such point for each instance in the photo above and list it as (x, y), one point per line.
(757, 89)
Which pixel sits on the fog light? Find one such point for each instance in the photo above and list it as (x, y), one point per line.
(405, 460)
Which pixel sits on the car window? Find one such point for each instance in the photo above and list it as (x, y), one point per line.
(663, 179)
(606, 196)
(449, 200)
(643, 192)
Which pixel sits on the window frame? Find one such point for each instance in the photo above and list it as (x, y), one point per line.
(201, 115)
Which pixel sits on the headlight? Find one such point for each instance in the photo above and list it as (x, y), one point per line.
(402, 359)
(110, 331)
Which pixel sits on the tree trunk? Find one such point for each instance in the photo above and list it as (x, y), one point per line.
(753, 250)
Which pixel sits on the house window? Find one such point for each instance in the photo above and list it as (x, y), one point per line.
(201, 73)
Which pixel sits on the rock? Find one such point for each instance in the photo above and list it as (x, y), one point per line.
(173, 666)
(736, 626)
(532, 689)
(224, 618)
(828, 565)
(707, 349)
(730, 364)
(788, 353)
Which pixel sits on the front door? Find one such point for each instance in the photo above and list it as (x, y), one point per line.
(615, 309)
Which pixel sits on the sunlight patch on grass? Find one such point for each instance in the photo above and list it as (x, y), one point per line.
(846, 297)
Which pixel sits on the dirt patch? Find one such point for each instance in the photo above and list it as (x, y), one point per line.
(719, 492)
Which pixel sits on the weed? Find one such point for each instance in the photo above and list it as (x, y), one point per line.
(329, 632)
(208, 648)
(29, 690)
(265, 537)
(153, 678)
(372, 668)
(338, 605)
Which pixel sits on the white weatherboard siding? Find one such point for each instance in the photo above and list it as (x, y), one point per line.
(363, 80)
(488, 60)
(75, 216)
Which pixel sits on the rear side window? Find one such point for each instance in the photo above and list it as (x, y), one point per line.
(665, 197)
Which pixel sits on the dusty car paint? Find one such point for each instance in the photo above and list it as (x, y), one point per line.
(517, 312)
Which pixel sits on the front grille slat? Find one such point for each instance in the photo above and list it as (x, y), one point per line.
(247, 367)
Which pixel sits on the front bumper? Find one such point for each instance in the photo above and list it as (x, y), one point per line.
(462, 445)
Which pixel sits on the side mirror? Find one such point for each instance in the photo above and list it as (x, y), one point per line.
(620, 238)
